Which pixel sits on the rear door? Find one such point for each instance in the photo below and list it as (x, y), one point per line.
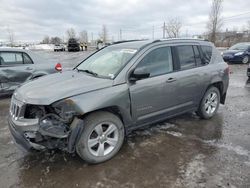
(191, 76)
(15, 68)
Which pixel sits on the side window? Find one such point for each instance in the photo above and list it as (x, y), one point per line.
(197, 56)
(186, 57)
(26, 59)
(207, 54)
(158, 61)
(11, 58)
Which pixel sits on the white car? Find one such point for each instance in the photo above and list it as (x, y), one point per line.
(59, 47)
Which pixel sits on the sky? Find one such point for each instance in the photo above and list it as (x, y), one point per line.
(31, 20)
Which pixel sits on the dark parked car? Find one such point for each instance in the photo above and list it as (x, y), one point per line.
(18, 66)
(73, 45)
(239, 53)
(118, 89)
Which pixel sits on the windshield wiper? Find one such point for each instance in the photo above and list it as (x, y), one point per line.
(87, 71)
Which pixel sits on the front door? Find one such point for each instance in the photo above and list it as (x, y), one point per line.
(154, 96)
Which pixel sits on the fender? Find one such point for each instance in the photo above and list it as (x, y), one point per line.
(116, 97)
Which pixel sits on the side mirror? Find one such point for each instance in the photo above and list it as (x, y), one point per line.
(138, 74)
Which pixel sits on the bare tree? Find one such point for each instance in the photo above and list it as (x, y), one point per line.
(11, 36)
(46, 40)
(83, 36)
(215, 20)
(173, 27)
(104, 34)
(71, 33)
(55, 40)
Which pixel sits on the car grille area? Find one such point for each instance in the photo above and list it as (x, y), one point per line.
(16, 108)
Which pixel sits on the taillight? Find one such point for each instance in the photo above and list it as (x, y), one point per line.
(58, 67)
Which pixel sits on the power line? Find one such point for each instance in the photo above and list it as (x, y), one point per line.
(237, 15)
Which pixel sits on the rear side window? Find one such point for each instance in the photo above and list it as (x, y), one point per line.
(26, 59)
(158, 61)
(186, 57)
(206, 53)
(11, 58)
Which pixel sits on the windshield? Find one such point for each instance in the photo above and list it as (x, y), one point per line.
(239, 47)
(107, 62)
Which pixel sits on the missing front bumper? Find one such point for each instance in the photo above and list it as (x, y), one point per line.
(28, 142)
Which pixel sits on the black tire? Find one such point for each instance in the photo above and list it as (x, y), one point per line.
(245, 59)
(206, 101)
(91, 122)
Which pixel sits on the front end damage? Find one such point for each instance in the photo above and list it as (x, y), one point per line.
(55, 126)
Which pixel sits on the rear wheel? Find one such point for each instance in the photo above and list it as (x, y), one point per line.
(102, 137)
(245, 59)
(209, 103)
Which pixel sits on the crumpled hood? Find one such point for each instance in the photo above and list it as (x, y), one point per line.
(54, 87)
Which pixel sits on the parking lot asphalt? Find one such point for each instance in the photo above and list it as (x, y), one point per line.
(181, 152)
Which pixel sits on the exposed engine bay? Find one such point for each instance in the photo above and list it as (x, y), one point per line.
(57, 128)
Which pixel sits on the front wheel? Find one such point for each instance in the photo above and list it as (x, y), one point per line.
(101, 138)
(209, 103)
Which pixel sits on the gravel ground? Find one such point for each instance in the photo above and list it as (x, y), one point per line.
(182, 152)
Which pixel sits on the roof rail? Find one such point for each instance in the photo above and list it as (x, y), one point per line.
(169, 39)
(123, 41)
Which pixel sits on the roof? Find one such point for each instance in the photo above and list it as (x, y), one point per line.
(137, 44)
(12, 50)
(134, 44)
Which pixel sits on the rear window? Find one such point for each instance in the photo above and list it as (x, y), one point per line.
(207, 54)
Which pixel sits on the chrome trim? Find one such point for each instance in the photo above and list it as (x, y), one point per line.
(15, 108)
(26, 124)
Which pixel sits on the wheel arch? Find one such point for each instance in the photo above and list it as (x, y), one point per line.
(112, 109)
(219, 85)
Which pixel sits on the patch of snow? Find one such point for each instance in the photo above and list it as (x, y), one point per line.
(176, 134)
(230, 147)
(192, 174)
(42, 47)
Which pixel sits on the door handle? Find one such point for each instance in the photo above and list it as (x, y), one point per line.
(29, 68)
(171, 80)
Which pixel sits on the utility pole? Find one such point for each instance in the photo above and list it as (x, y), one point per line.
(153, 33)
(164, 29)
(92, 38)
(186, 32)
(120, 34)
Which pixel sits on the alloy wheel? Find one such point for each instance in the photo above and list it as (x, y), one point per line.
(245, 59)
(211, 103)
(103, 139)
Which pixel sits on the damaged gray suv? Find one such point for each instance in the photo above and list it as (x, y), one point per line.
(90, 109)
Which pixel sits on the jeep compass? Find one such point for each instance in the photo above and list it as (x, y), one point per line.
(90, 109)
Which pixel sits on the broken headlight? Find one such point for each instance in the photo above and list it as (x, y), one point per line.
(65, 109)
